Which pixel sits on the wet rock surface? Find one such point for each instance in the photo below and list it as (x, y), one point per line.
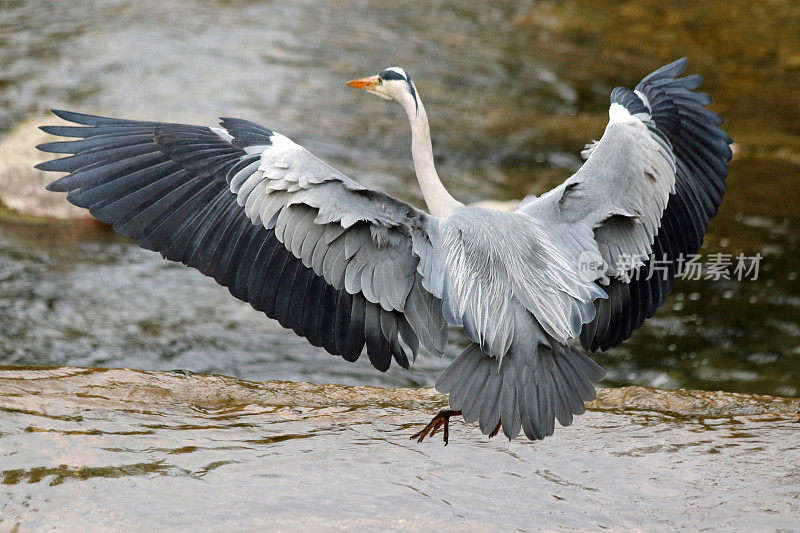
(143, 450)
(22, 187)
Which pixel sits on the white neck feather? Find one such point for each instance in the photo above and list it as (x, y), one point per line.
(439, 202)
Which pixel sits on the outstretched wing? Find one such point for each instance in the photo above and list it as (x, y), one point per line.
(648, 188)
(282, 230)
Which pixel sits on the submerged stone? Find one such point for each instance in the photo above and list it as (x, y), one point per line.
(22, 187)
(164, 449)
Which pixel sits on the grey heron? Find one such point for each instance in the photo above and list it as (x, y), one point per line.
(346, 266)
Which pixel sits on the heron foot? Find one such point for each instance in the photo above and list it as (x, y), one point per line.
(442, 418)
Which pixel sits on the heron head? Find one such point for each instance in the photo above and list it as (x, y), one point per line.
(392, 83)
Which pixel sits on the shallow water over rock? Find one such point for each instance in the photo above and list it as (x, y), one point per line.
(143, 450)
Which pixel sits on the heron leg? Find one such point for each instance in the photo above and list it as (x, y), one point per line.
(442, 418)
(495, 431)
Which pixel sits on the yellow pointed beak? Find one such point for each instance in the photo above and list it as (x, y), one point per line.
(370, 82)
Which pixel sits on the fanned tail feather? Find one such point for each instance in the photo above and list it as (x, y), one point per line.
(526, 392)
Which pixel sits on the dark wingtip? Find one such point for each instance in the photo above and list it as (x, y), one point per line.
(54, 165)
(66, 131)
(51, 165)
(60, 113)
(53, 186)
(693, 81)
(678, 64)
(72, 116)
(670, 70)
(80, 118)
(51, 147)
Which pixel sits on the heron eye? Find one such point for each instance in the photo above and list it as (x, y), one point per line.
(380, 81)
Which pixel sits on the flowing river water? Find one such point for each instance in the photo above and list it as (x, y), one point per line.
(513, 90)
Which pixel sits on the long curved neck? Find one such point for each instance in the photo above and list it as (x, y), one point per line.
(439, 202)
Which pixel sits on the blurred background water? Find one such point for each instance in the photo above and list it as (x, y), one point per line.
(514, 90)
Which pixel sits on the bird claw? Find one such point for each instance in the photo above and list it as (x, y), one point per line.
(442, 418)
